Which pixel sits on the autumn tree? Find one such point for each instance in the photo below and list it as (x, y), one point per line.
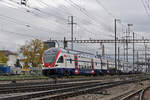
(32, 52)
(3, 59)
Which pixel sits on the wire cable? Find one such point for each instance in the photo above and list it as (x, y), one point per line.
(146, 10)
(83, 10)
(108, 12)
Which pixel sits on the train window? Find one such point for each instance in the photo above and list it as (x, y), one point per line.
(70, 61)
(60, 60)
(82, 67)
(96, 63)
(88, 67)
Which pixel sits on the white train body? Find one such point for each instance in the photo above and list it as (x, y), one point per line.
(65, 62)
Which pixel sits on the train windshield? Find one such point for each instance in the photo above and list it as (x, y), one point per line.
(50, 55)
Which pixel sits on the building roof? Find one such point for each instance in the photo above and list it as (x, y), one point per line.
(7, 52)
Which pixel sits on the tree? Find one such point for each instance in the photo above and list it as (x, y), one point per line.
(3, 59)
(32, 52)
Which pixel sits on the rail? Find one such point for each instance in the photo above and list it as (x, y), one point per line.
(66, 92)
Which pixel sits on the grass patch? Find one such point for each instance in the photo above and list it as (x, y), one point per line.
(22, 77)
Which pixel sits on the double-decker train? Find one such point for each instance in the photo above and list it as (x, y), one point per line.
(58, 61)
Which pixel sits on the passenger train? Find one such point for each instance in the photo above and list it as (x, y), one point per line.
(58, 61)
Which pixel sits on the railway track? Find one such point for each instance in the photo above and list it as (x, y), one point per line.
(143, 92)
(60, 92)
(52, 81)
(59, 80)
(18, 88)
(42, 87)
(136, 94)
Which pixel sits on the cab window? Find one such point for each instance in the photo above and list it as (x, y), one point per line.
(60, 60)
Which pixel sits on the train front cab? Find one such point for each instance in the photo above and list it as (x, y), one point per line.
(51, 60)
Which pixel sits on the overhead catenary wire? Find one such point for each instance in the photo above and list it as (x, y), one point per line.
(83, 10)
(85, 13)
(28, 8)
(108, 12)
(22, 23)
(147, 4)
(146, 9)
(81, 26)
(27, 25)
(67, 13)
(88, 31)
(70, 14)
(39, 10)
(20, 34)
(47, 13)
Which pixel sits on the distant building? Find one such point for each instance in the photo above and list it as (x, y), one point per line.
(49, 44)
(12, 57)
(7, 52)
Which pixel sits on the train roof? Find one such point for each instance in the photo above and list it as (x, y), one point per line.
(75, 52)
(81, 53)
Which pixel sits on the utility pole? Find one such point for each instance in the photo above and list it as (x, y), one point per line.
(124, 50)
(72, 24)
(103, 50)
(145, 56)
(133, 51)
(116, 44)
(65, 43)
(126, 46)
(128, 35)
(137, 61)
(118, 57)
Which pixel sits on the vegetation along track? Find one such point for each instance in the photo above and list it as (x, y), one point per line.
(67, 91)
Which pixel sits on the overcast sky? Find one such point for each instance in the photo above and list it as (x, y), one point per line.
(44, 19)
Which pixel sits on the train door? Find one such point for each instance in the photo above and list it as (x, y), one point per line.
(123, 68)
(76, 64)
(108, 67)
(65, 60)
(102, 64)
(92, 64)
